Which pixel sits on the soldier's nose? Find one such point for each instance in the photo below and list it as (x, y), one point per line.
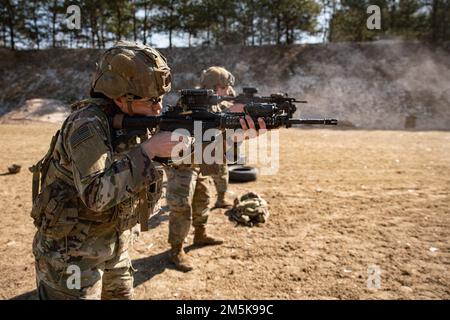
(157, 107)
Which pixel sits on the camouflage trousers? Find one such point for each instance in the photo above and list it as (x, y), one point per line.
(101, 264)
(188, 197)
(221, 179)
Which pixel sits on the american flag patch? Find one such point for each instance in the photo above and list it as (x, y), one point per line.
(82, 134)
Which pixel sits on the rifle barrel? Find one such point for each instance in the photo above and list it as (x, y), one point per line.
(331, 122)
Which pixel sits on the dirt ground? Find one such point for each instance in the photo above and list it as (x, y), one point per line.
(343, 202)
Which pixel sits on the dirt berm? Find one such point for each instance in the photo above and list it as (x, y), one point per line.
(379, 85)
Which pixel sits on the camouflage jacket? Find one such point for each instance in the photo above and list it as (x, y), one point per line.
(104, 173)
(89, 179)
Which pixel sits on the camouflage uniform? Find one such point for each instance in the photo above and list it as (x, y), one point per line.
(94, 188)
(188, 199)
(212, 78)
(90, 229)
(220, 178)
(188, 196)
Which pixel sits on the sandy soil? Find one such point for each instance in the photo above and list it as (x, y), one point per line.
(38, 110)
(342, 202)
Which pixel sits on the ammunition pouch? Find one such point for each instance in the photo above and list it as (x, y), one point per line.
(154, 192)
(148, 199)
(55, 210)
(40, 169)
(127, 214)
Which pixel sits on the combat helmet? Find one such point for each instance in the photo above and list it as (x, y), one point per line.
(216, 77)
(131, 69)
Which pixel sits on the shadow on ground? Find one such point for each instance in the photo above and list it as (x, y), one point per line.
(151, 266)
(31, 295)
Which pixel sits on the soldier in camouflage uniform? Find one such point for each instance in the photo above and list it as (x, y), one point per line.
(187, 189)
(221, 81)
(95, 185)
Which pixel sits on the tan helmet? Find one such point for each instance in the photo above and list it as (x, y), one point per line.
(216, 77)
(130, 68)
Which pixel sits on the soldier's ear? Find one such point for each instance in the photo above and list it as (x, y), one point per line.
(120, 102)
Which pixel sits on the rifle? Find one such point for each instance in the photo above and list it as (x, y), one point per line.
(248, 95)
(276, 110)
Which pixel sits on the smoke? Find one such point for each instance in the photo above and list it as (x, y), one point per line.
(378, 85)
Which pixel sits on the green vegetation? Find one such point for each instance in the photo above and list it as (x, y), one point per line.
(37, 24)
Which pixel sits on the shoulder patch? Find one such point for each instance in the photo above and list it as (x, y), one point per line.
(82, 134)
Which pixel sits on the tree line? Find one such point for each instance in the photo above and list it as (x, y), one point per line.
(37, 24)
(408, 19)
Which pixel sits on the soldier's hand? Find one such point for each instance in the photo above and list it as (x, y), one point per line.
(251, 124)
(163, 144)
(248, 125)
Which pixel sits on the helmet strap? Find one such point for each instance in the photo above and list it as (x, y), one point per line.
(130, 99)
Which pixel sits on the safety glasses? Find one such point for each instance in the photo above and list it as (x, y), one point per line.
(153, 100)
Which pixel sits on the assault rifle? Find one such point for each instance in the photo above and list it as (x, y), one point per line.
(192, 112)
(277, 110)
